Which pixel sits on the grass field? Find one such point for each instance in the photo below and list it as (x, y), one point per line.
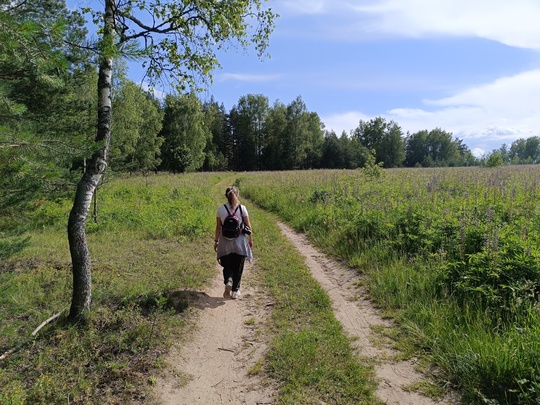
(451, 254)
(149, 241)
(153, 238)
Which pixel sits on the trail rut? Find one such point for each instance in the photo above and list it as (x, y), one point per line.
(357, 316)
(212, 364)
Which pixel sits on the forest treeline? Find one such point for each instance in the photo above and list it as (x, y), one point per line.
(48, 121)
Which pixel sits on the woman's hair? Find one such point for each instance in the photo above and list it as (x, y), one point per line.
(232, 196)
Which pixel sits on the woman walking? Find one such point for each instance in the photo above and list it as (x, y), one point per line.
(233, 241)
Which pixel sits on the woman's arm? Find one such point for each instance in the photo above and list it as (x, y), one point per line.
(218, 232)
(250, 236)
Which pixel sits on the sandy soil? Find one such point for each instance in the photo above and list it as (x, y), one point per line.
(210, 366)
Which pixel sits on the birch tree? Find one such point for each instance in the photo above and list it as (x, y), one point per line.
(178, 40)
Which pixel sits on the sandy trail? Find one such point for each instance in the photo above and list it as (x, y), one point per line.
(211, 366)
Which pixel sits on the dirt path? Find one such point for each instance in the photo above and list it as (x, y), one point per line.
(211, 366)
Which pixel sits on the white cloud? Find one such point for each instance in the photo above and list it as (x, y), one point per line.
(503, 110)
(478, 152)
(513, 23)
(246, 77)
(518, 95)
(484, 116)
(346, 121)
(160, 95)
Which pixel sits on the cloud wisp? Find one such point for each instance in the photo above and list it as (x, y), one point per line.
(512, 23)
(504, 109)
(247, 77)
(302, 6)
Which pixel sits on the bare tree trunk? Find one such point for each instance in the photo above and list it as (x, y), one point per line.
(78, 246)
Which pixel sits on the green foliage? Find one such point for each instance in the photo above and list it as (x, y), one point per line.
(277, 137)
(451, 253)
(184, 133)
(43, 101)
(521, 151)
(276, 130)
(158, 211)
(525, 151)
(219, 145)
(248, 118)
(434, 148)
(371, 169)
(309, 354)
(182, 40)
(504, 279)
(303, 144)
(12, 245)
(385, 138)
(494, 160)
(137, 121)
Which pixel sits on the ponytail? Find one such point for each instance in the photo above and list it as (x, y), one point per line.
(232, 196)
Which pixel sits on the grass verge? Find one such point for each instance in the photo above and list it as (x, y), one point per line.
(452, 254)
(309, 354)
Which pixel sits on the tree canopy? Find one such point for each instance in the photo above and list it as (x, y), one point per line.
(46, 111)
(385, 138)
(185, 134)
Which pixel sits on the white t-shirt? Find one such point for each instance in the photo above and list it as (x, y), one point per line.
(238, 245)
(222, 211)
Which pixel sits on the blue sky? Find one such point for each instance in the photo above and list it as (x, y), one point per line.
(470, 67)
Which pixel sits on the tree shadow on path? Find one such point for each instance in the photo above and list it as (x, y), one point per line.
(180, 300)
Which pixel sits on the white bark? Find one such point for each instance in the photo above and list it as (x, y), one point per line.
(78, 246)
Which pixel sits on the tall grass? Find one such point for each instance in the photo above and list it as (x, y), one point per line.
(453, 254)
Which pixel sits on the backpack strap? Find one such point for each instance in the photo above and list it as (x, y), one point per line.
(241, 215)
(241, 212)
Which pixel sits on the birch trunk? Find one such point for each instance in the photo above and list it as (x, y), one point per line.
(78, 246)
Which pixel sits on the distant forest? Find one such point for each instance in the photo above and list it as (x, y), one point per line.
(183, 134)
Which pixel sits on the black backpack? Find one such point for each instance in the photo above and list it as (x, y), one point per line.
(232, 225)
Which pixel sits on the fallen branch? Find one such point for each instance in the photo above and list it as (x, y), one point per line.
(52, 318)
(34, 333)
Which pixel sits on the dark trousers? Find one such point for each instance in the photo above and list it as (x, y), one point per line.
(233, 267)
